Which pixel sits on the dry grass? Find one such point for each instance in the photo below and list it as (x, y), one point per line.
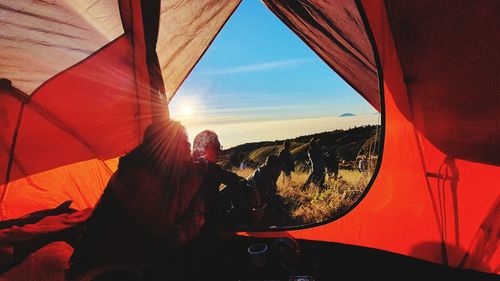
(314, 205)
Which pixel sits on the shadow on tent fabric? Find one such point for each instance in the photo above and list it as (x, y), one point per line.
(19, 242)
(484, 245)
(448, 172)
(38, 215)
(434, 249)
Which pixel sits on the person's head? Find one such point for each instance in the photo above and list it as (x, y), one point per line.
(286, 144)
(273, 165)
(167, 142)
(167, 158)
(206, 145)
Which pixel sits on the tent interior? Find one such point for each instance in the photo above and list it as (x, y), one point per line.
(82, 80)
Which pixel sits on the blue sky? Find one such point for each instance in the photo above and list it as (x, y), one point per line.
(259, 81)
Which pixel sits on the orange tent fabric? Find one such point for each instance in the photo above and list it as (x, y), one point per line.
(335, 31)
(425, 201)
(58, 141)
(436, 193)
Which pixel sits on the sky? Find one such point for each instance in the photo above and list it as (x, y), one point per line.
(258, 81)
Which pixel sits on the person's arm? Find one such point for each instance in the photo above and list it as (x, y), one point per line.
(238, 186)
(188, 224)
(226, 177)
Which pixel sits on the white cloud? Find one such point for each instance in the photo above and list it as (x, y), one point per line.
(256, 67)
(237, 133)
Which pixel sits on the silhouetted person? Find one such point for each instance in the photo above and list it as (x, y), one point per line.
(317, 175)
(206, 152)
(332, 163)
(362, 164)
(264, 180)
(150, 207)
(287, 162)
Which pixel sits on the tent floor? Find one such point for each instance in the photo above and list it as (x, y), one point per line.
(321, 261)
(229, 260)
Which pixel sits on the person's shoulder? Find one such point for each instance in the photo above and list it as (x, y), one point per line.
(200, 165)
(216, 169)
(202, 162)
(254, 174)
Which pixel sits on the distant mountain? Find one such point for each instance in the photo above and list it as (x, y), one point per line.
(347, 114)
(347, 144)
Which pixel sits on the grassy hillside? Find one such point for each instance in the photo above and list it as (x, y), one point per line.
(347, 143)
(310, 204)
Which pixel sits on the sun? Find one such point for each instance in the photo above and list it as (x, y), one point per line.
(187, 110)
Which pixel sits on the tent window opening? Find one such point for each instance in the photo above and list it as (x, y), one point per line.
(305, 137)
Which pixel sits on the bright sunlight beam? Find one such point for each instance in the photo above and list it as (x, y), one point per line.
(186, 110)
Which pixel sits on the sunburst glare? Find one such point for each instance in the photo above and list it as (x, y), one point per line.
(186, 110)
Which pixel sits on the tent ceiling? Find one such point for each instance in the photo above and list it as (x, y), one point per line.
(43, 39)
(106, 92)
(451, 73)
(186, 30)
(335, 31)
(39, 39)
